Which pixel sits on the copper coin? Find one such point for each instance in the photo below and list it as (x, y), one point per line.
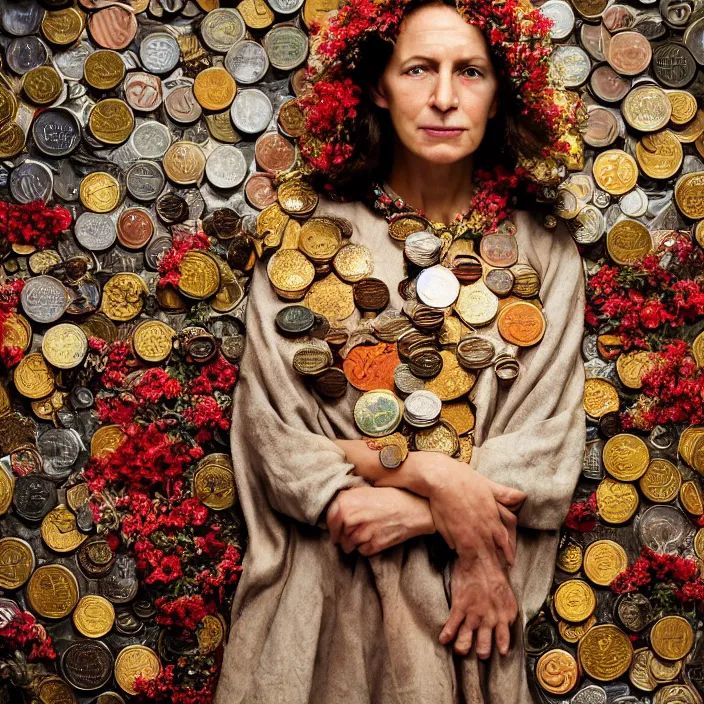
(371, 294)
(467, 269)
(135, 228)
(223, 223)
(331, 383)
(260, 191)
(143, 91)
(369, 367)
(274, 152)
(113, 27)
(499, 250)
(426, 364)
(172, 208)
(608, 85)
(629, 53)
(182, 106)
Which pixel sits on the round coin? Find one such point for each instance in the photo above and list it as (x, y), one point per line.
(378, 413)
(87, 665)
(556, 670)
(135, 227)
(104, 69)
(152, 341)
(42, 85)
(615, 171)
(64, 346)
(626, 457)
(93, 616)
(113, 27)
(95, 232)
(100, 192)
(214, 89)
(123, 296)
(159, 52)
(672, 637)
(111, 121)
(17, 562)
(605, 652)
(603, 561)
(226, 167)
(184, 163)
(44, 299)
(200, 275)
(143, 91)
(135, 661)
(52, 591)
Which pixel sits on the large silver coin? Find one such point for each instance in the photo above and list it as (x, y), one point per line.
(287, 47)
(591, 694)
(562, 16)
(437, 286)
(664, 529)
(247, 62)
(95, 232)
(25, 53)
(286, 7)
(151, 140)
(31, 181)
(423, 248)
(145, 180)
(222, 28)
(56, 132)
(226, 167)
(44, 299)
(571, 64)
(71, 61)
(251, 111)
(422, 408)
(159, 52)
(22, 17)
(59, 449)
(694, 40)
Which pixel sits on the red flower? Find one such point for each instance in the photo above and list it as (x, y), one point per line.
(582, 515)
(33, 223)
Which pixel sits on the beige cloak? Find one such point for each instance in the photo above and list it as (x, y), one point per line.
(311, 625)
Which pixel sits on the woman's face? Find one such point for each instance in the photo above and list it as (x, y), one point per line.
(439, 86)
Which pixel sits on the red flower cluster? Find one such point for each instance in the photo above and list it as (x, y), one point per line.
(167, 688)
(218, 375)
(23, 633)
(9, 300)
(185, 612)
(33, 223)
(183, 242)
(582, 515)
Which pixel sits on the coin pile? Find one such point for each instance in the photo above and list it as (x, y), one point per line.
(639, 68)
(160, 126)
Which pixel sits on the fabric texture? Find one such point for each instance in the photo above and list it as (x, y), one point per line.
(311, 625)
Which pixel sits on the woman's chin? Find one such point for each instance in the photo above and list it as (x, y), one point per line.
(442, 154)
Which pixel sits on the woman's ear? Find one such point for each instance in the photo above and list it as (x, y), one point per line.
(378, 94)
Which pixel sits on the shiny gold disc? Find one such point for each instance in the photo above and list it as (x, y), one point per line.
(93, 616)
(52, 591)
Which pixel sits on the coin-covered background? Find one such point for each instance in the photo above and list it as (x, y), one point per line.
(141, 147)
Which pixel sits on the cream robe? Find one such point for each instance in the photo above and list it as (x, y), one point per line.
(311, 625)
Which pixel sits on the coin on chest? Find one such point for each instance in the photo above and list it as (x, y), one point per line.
(135, 661)
(32, 377)
(123, 296)
(200, 275)
(94, 616)
(16, 562)
(672, 637)
(59, 530)
(605, 652)
(65, 346)
(557, 671)
(575, 600)
(603, 561)
(521, 323)
(331, 297)
(52, 591)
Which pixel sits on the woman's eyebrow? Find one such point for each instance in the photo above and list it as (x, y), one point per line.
(458, 62)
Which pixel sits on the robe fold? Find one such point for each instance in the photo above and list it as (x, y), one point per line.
(311, 625)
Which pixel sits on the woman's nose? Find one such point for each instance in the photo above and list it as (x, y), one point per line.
(444, 96)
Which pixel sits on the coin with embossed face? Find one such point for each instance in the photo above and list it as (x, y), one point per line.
(159, 52)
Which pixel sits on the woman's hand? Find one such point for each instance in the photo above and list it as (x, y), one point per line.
(482, 606)
(371, 519)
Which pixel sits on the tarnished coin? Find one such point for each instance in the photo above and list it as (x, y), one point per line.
(150, 140)
(123, 296)
(556, 670)
(222, 28)
(95, 232)
(214, 88)
(378, 413)
(603, 128)
(42, 85)
(182, 106)
(31, 181)
(44, 299)
(273, 152)
(87, 665)
(52, 591)
(159, 52)
(672, 637)
(259, 190)
(251, 111)
(100, 192)
(673, 65)
(143, 91)
(664, 528)
(17, 562)
(226, 167)
(56, 132)
(570, 64)
(104, 69)
(605, 652)
(184, 163)
(34, 497)
(286, 46)
(25, 53)
(295, 321)
(135, 661)
(135, 227)
(635, 611)
(120, 585)
(64, 346)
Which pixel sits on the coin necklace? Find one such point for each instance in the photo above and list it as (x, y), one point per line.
(415, 367)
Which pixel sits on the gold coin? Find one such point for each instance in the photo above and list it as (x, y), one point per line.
(615, 171)
(605, 652)
(12, 140)
(16, 562)
(692, 131)
(42, 85)
(200, 275)
(698, 344)
(557, 671)
(184, 163)
(111, 121)
(106, 439)
(104, 69)
(93, 616)
(59, 530)
(214, 88)
(616, 501)
(320, 240)
(64, 346)
(152, 341)
(573, 632)
(691, 498)
(32, 377)
(476, 305)
(7, 489)
(41, 261)
(628, 241)
(569, 558)
(99, 192)
(699, 543)
(331, 297)
(77, 495)
(8, 106)
(663, 671)
(661, 481)
(62, 26)
(297, 197)
(684, 106)
(53, 690)
(255, 13)
(603, 561)
(646, 108)
(290, 273)
(18, 331)
(639, 672)
(672, 637)
(574, 600)
(221, 128)
(632, 366)
(459, 415)
(521, 323)
(453, 381)
(600, 397)
(688, 195)
(441, 437)
(626, 457)
(123, 296)
(133, 661)
(214, 485)
(211, 634)
(52, 591)
(659, 155)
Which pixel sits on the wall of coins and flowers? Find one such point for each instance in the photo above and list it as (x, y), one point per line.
(139, 147)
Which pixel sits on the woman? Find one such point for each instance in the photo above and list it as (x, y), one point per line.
(339, 601)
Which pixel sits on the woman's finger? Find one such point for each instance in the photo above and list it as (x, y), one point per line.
(503, 638)
(449, 630)
(502, 540)
(463, 642)
(483, 643)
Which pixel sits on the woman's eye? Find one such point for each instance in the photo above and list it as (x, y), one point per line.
(415, 68)
(472, 72)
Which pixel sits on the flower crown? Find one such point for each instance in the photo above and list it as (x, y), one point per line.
(518, 35)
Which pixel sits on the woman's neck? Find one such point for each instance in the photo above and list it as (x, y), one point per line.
(440, 190)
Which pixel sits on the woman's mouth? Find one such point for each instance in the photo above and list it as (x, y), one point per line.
(442, 131)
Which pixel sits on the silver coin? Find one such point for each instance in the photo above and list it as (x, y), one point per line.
(159, 52)
(423, 248)
(59, 448)
(71, 61)
(571, 64)
(44, 299)
(151, 140)
(31, 181)
(591, 694)
(437, 286)
(226, 167)
(222, 28)
(589, 225)
(157, 247)
(56, 132)
(590, 39)
(143, 91)
(634, 204)
(145, 180)
(664, 529)
(251, 111)
(286, 7)
(406, 381)
(287, 46)
(21, 18)
(95, 231)
(25, 53)
(694, 40)
(120, 586)
(247, 62)
(422, 408)
(601, 199)
(675, 13)
(182, 106)
(562, 17)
